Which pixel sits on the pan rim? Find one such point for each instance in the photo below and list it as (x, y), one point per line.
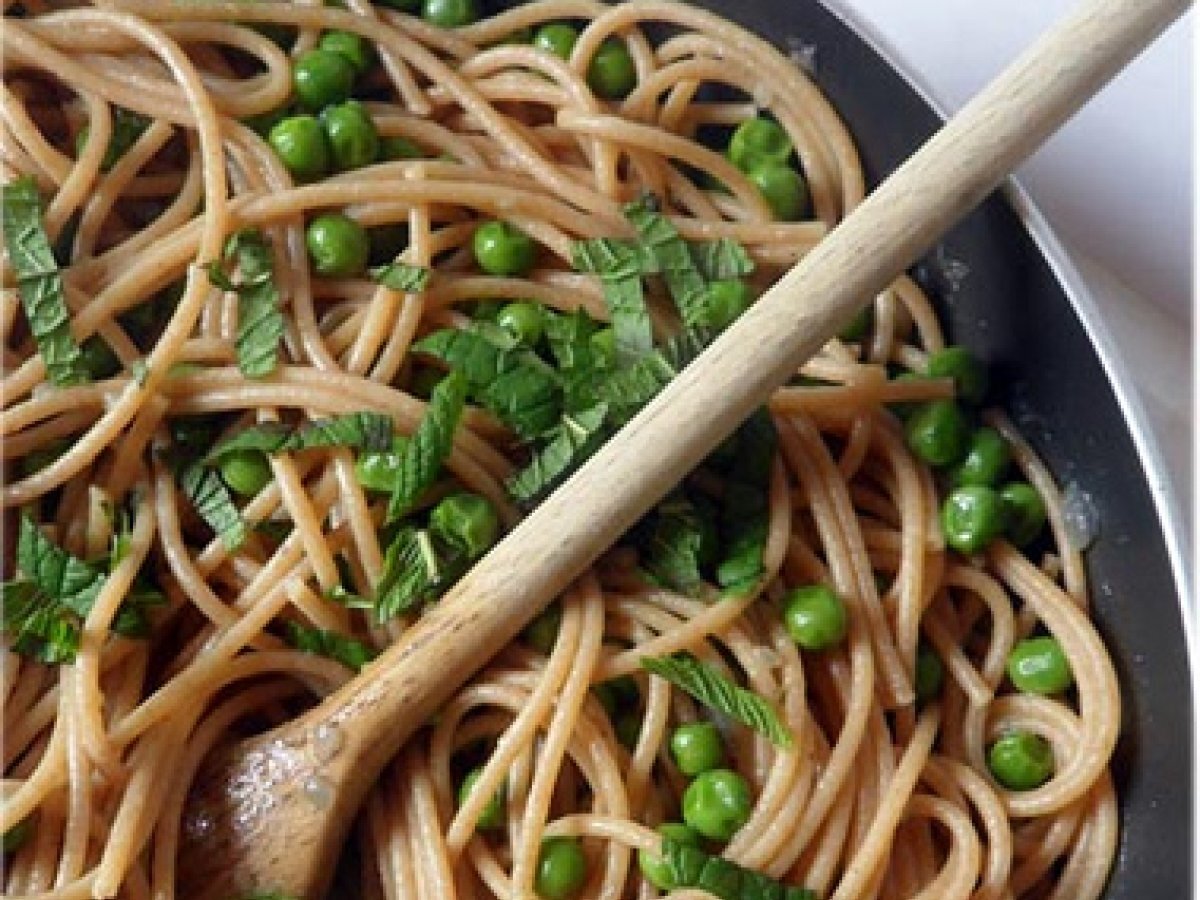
(1133, 410)
(1152, 462)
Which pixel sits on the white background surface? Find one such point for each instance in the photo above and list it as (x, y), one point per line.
(1115, 183)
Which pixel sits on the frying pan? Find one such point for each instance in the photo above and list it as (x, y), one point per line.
(1004, 288)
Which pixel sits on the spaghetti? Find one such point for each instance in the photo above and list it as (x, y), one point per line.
(168, 590)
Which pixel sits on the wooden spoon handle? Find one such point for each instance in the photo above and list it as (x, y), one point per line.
(946, 178)
(373, 715)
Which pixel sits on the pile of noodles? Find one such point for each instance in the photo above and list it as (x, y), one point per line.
(878, 797)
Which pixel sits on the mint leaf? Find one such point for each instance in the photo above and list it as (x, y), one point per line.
(619, 266)
(368, 431)
(715, 691)
(575, 438)
(691, 867)
(631, 388)
(67, 580)
(260, 321)
(514, 384)
(39, 282)
(349, 652)
(403, 277)
(679, 540)
(422, 456)
(721, 260)
(416, 569)
(213, 503)
(662, 240)
(45, 607)
(745, 507)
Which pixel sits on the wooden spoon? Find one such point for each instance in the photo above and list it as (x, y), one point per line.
(272, 813)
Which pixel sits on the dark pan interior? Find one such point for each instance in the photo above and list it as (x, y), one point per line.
(998, 295)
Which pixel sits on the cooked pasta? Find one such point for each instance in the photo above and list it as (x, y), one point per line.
(304, 305)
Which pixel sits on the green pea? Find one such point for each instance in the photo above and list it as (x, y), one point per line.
(450, 13)
(394, 147)
(929, 674)
(756, 141)
(503, 249)
(302, 147)
(99, 359)
(36, 460)
(402, 5)
(697, 747)
(357, 49)
(353, 139)
(783, 188)
(337, 245)
(815, 617)
(468, 521)
(542, 633)
(1026, 512)
(727, 299)
(377, 471)
(387, 242)
(654, 868)
(972, 517)
(246, 471)
(938, 432)
(969, 374)
(717, 804)
(986, 461)
(556, 37)
(860, 326)
(16, 837)
(321, 78)
(1038, 665)
(525, 321)
(561, 868)
(1021, 760)
(493, 813)
(611, 74)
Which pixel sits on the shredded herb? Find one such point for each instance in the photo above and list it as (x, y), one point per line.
(422, 456)
(351, 653)
(721, 260)
(417, 568)
(213, 502)
(368, 431)
(404, 277)
(691, 867)
(679, 543)
(674, 261)
(575, 438)
(45, 606)
(619, 267)
(628, 390)
(745, 503)
(520, 388)
(715, 691)
(260, 320)
(39, 282)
